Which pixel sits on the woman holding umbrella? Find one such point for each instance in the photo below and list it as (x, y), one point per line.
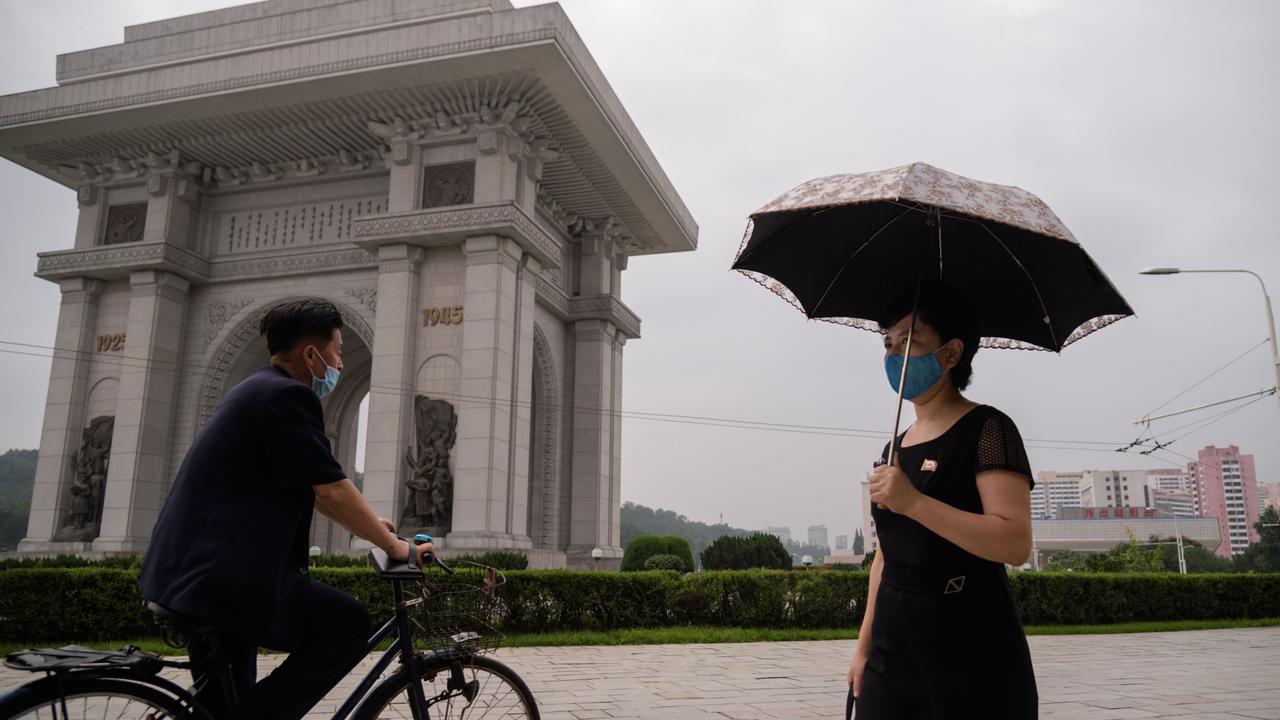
(941, 635)
(980, 264)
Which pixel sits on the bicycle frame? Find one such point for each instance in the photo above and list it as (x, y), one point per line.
(403, 647)
(399, 624)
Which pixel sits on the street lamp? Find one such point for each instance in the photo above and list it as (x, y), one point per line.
(1271, 319)
(596, 554)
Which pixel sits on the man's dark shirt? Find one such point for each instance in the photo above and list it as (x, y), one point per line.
(230, 547)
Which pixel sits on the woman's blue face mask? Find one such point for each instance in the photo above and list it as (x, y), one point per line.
(922, 373)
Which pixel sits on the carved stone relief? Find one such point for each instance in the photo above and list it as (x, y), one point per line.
(544, 493)
(446, 185)
(219, 313)
(367, 296)
(125, 224)
(88, 484)
(429, 506)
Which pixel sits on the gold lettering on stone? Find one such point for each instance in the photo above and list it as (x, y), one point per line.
(111, 343)
(442, 316)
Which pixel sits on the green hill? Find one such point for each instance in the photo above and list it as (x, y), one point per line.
(641, 520)
(17, 475)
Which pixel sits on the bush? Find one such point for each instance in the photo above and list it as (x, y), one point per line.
(664, 562)
(644, 547)
(62, 605)
(757, 550)
(500, 559)
(1048, 598)
(72, 561)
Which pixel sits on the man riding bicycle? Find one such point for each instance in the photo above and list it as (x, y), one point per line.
(229, 549)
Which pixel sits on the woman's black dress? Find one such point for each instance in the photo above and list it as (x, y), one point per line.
(946, 641)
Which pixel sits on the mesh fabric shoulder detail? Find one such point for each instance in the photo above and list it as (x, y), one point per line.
(1000, 447)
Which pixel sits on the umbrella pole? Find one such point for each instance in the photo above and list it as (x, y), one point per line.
(902, 381)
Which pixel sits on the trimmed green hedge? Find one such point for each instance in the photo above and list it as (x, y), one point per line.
(641, 548)
(1103, 598)
(85, 604)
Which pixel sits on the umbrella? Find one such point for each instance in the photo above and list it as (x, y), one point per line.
(843, 248)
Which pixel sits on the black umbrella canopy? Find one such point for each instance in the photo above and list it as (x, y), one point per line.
(847, 250)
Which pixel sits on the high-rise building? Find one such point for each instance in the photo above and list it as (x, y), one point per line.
(1268, 496)
(782, 533)
(842, 542)
(1226, 486)
(1181, 504)
(1054, 491)
(818, 535)
(1170, 480)
(1113, 488)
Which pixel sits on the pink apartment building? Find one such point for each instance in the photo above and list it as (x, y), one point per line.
(1226, 488)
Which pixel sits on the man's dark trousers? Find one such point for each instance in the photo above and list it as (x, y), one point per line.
(332, 632)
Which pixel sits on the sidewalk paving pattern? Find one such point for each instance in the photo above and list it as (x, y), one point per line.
(1205, 675)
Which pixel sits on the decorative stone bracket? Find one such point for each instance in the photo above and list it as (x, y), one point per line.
(605, 307)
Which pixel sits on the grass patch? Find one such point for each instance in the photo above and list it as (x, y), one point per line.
(1147, 627)
(674, 636)
(713, 635)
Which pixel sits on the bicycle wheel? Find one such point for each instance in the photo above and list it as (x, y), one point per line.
(91, 699)
(491, 690)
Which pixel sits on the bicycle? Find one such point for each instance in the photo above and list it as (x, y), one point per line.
(455, 678)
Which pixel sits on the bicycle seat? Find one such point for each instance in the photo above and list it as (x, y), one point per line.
(184, 625)
(393, 569)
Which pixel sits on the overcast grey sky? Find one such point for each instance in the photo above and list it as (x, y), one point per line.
(1149, 127)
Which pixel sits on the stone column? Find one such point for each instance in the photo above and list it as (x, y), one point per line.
(391, 390)
(614, 537)
(593, 436)
(491, 482)
(144, 411)
(522, 400)
(64, 418)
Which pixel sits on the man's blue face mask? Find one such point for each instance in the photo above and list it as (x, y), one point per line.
(324, 385)
(922, 373)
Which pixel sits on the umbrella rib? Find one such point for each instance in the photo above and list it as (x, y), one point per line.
(844, 267)
(1044, 311)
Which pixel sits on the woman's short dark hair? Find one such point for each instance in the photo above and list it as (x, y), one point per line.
(290, 323)
(947, 311)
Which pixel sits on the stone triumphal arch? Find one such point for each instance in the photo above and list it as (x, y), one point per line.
(457, 176)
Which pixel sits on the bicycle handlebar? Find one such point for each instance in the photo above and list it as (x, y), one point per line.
(434, 559)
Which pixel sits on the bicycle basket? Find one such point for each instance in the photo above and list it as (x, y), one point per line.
(461, 612)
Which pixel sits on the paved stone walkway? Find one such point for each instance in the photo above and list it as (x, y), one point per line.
(1209, 675)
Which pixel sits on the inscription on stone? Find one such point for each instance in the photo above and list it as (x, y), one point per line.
(111, 343)
(298, 225)
(442, 316)
(447, 185)
(125, 224)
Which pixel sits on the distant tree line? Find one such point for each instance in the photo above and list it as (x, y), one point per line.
(639, 520)
(17, 477)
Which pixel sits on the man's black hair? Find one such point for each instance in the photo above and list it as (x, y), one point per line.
(309, 320)
(945, 310)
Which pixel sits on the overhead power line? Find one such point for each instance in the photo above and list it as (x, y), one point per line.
(702, 420)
